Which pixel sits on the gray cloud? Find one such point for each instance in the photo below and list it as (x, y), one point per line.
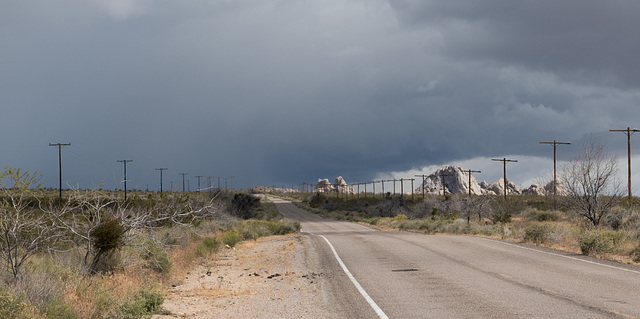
(280, 92)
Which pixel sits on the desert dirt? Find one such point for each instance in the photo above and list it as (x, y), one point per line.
(272, 277)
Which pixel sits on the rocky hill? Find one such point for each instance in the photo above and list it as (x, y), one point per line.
(457, 180)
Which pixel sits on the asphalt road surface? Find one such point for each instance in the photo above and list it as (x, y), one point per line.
(380, 274)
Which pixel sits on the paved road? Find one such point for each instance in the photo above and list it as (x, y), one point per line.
(409, 275)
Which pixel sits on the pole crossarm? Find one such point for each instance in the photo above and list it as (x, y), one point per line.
(555, 181)
(628, 132)
(470, 172)
(505, 161)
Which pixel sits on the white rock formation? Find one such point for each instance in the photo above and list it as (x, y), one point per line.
(498, 187)
(456, 180)
(324, 186)
(339, 185)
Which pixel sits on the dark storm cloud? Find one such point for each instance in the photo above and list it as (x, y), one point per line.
(280, 92)
(585, 41)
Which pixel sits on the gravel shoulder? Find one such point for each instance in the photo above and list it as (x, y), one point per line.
(273, 277)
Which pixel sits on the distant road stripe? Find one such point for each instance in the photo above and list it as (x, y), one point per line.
(364, 294)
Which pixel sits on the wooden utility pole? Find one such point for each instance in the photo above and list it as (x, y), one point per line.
(628, 133)
(423, 177)
(555, 143)
(60, 145)
(161, 169)
(504, 161)
(198, 177)
(412, 189)
(125, 176)
(470, 172)
(183, 175)
(444, 191)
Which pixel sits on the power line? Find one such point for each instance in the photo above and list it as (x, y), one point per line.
(628, 133)
(555, 143)
(125, 176)
(60, 145)
(504, 161)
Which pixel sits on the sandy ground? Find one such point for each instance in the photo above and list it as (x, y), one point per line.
(269, 278)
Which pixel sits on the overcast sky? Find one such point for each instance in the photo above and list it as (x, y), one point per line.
(283, 92)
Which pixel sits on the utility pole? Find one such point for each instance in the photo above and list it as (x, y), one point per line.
(198, 177)
(504, 161)
(412, 189)
(628, 133)
(423, 177)
(470, 172)
(444, 190)
(183, 175)
(161, 169)
(555, 143)
(60, 145)
(125, 176)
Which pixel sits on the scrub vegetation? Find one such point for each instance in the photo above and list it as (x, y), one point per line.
(92, 255)
(523, 218)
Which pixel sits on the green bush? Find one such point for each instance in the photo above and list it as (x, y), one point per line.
(209, 246)
(157, 258)
(594, 242)
(10, 306)
(537, 233)
(546, 216)
(244, 205)
(56, 309)
(284, 226)
(635, 254)
(231, 238)
(142, 305)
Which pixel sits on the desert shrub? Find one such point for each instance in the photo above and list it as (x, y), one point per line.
(537, 233)
(106, 237)
(635, 254)
(373, 220)
(142, 305)
(209, 246)
(502, 217)
(594, 242)
(546, 216)
(11, 306)
(57, 309)
(284, 226)
(316, 200)
(231, 238)
(157, 258)
(244, 205)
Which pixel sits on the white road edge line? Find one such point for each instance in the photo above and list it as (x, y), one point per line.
(364, 294)
(563, 256)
